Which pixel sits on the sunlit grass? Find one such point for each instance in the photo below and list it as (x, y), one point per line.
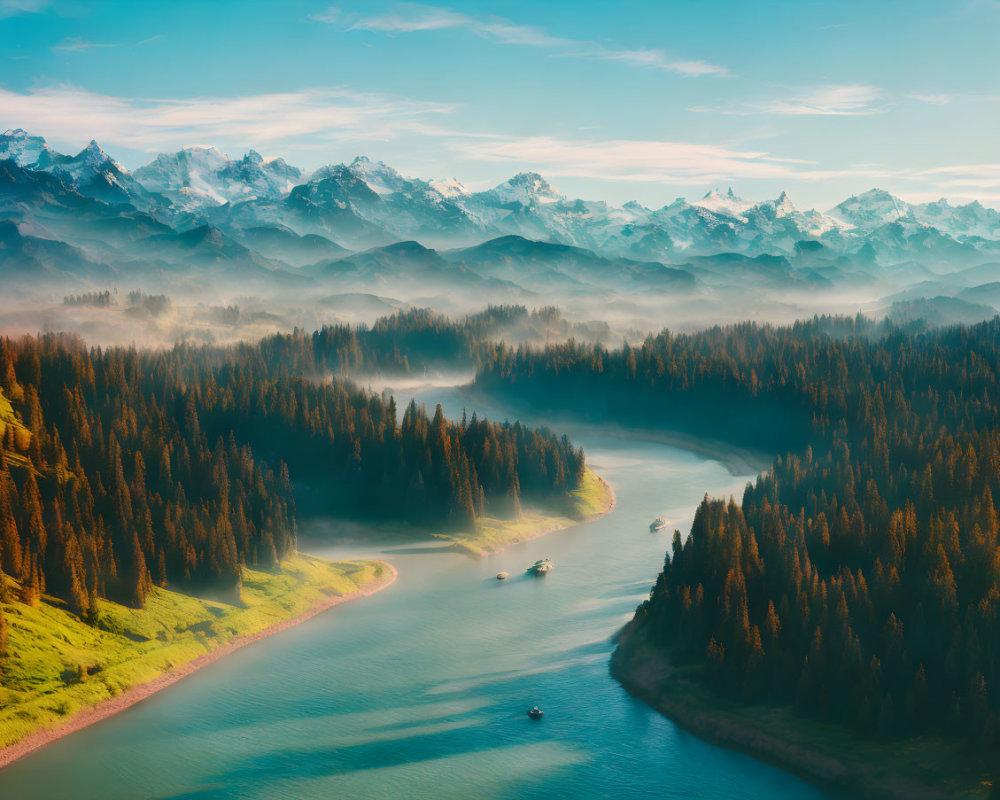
(51, 648)
(592, 497)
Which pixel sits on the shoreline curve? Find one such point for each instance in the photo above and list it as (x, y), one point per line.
(136, 694)
(563, 523)
(641, 672)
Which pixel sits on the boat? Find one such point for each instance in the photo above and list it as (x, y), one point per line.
(535, 712)
(502, 576)
(541, 567)
(658, 524)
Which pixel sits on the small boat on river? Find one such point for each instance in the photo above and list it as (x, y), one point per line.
(658, 524)
(535, 712)
(541, 567)
(502, 576)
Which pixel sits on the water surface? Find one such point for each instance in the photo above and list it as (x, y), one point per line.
(420, 691)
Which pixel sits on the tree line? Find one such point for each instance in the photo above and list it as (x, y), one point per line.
(415, 341)
(858, 580)
(121, 469)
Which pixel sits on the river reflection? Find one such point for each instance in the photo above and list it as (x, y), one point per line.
(420, 691)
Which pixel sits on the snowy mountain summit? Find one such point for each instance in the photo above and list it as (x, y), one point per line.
(365, 203)
(526, 188)
(381, 179)
(203, 176)
(24, 148)
(728, 203)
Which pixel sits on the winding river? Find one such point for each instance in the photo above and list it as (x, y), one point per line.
(420, 691)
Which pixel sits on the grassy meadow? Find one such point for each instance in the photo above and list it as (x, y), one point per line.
(59, 665)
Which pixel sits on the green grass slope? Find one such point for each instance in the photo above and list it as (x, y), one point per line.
(22, 437)
(58, 665)
(591, 499)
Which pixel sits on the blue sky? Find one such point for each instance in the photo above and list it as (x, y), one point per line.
(617, 101)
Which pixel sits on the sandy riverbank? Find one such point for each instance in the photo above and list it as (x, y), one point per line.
(136, 694)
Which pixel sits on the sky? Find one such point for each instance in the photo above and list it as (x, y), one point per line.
(615, 101)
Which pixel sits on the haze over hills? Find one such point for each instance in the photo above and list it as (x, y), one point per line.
(197, 219)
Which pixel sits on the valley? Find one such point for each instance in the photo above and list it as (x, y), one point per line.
(211, 367)
(499, 401)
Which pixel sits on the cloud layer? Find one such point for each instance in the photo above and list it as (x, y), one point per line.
(824, 101)
(9, 8)
(829, 101)
(645, 161)
(320, 115)
(322, 120)
(415, 18)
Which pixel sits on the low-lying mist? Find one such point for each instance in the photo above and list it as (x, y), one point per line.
(161, 316)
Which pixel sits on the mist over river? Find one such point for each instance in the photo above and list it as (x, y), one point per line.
(420, 691)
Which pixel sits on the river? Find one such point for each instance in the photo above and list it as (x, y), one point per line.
(420, 691)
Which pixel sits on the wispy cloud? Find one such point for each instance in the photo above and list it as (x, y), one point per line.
(940, 99)
(320, 116)
(415, 18)
(320, 120)
(657, 59)
(509, 33)
(74, 44)
(725, 111)
(77, 45)
(700, 165)
(961, 178)
(330, 16)
(829, 101)
(9, 8)
(837, 101)
(644, 161)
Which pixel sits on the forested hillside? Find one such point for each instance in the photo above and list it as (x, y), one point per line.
(417, 340)
(859, 578)
(122, 468)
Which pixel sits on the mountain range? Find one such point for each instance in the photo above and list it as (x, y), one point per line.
(203, 217)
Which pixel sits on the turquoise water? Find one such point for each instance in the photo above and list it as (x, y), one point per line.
(420, 691)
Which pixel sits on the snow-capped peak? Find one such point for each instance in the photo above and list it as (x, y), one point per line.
(449, 187)
(525, 188)
(728, 203)
(971, 219)
(25, 149)
(784, 206)
(189, 176)
(201, 175)
(91, 156)
(91, 170)
(871, 209)
(90, 164)
(198, 157)
(381, 178)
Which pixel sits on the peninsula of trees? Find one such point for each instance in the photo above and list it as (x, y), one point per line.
(858, 580)
(121, 468)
